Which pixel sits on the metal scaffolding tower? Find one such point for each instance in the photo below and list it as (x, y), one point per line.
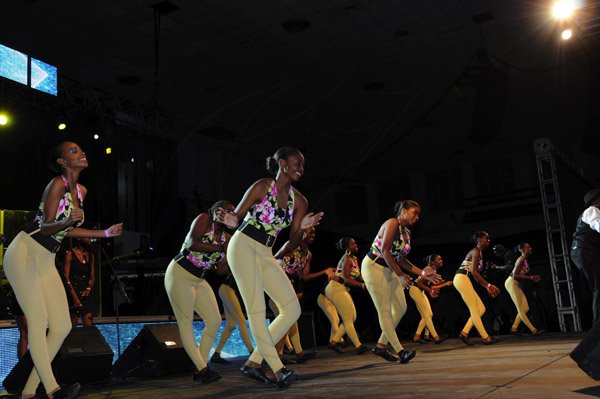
(558, 248)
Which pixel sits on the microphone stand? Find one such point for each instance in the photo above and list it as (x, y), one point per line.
(116, 281)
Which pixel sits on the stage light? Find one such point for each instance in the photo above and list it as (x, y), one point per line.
(563, 9)
(108, 150)
(62, 126)
(566, 34)
(96, 137)
(132, 160)
(3, 120)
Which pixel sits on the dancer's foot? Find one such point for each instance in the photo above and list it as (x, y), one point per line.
(405, 356)
(438, 340)
(537, 333)
(335, 346)
(206, 376)
(285, 377)
(303, 357)
(70, 392)
(254, 372)
(216, 358)
(490, 340)
(361, 349)
(515, 332)
(384, 353)
(465, 338)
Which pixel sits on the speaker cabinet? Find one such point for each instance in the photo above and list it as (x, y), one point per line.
(84, 357)
(155, 352)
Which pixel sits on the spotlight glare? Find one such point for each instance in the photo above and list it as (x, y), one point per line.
(108, 150)
(62, 126)
(563, 9)
(132, 160)
(96, 137)
(3, 119)
(566, 34)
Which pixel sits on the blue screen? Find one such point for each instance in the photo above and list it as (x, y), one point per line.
(44, 77)
(13, 64)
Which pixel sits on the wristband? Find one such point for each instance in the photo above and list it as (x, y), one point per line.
(107, 233)
(88, 289)
(488, 286)
(423, 274)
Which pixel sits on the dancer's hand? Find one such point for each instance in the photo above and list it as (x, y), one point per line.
(493, 291)
(405, 281)
(228, 218)
(76, 216)
(114, 230)
(78, 304)
(536, 278)
(430, 275)
(86, 292)
(330, 272)
(434, 293)
(311, 219)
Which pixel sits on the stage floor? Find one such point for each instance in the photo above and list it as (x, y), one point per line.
(516, 367)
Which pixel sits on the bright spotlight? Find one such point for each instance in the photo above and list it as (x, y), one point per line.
(96, 137)
(566, 34)
(132, 160)
(563, 9)
(108, 150)
(62, 126)
(3, 120)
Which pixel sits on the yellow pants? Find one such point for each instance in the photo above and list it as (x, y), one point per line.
(256, 271)
(341, 299)
(293, 334)
(330, 311)
(520, 300)
(188, 293)
(388, 298)
(424, 308)
(233, 315)
(31, 271)
(463, 285)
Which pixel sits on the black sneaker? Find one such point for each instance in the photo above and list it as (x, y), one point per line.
(255, 373)
(384, 353)
(70, 392)
(538, 333)
(286, 377)
(405, 356)
(361, 349)
(206, 376)
(216, 358)
(306, 356)
(491, 341)
(337, 348)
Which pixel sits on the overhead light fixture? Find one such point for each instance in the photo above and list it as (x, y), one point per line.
(108, 150)
(96, 137)
(563, 9)
(62, 126)
(3, 120)
(566, 34)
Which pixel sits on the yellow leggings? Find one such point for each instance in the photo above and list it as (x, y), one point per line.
(256, 271)
(233, 315)
(188, 293)
(293, 334)
(424, 308)
(330, 311)
(520, 300)
(388, 298)
(31, 271)
(463, 285)
(341, 299)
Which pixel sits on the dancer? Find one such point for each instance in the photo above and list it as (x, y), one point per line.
(337, 329)
(585, 250)
(521, 273)
(471, 267)
(348, 273)
(296, 265)
(233, 315)
(30, 268)
(386, 282)
(80, 278)
(188, 291)
(417, 293)
(267, 207)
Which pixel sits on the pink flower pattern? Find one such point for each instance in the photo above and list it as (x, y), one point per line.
(294, 263)
(205, 260)
(400, 246)
(268, 216)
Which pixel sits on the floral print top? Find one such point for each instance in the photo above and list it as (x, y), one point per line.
(400, 246)
(354, 272)
(64, 209)
(524, 268)
(200, 259)
(467, 265)
(293, 263)
(267, 216)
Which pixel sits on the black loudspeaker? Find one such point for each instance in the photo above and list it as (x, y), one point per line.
(84, 357)
(587, 353)
(306, 327)
(155, 352)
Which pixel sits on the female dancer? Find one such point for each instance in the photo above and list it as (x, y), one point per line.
(233, 315)
(203, 249)
(80, 278)
(417, 293)
(470, 267)
(268, 206)
(296, 265)
(386, 282)
(348, 275)
(30, 269)
(520, 273)
(337, 329)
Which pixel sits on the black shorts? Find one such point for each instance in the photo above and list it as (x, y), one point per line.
(87, 306)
